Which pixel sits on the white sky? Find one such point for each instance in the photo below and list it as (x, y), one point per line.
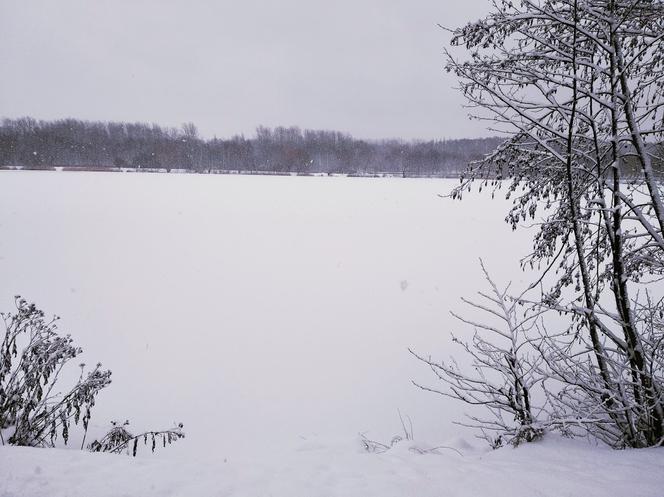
(373, 68)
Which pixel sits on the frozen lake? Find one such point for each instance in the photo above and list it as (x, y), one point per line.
(257, 310)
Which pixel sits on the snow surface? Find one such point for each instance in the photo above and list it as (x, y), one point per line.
(272, 316)
(254, 309)
(553, 468)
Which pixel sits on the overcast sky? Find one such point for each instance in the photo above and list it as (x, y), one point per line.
(373, 68)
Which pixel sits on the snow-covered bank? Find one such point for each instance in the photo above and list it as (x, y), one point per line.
(551, 468)
(161, 170)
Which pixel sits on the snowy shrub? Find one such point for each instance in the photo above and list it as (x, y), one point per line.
(35, 409)
(32, 355)
(119, 439)
(375, 447)
(378, 447)
(504, 370)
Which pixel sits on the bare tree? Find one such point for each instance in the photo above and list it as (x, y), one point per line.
(576, 85)
(504, 369)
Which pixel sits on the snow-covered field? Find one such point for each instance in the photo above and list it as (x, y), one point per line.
(553, 468)
(272, 316)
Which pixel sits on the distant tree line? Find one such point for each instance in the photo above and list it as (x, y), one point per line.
(26, 142)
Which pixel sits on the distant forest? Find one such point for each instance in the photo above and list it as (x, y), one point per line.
(29, 143)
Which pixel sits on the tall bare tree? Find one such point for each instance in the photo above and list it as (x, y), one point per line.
(577, 87)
